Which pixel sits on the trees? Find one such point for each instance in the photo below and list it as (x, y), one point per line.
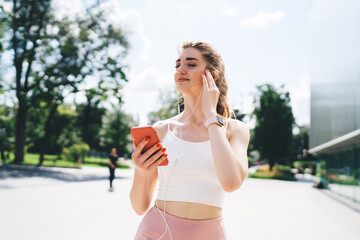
(52, 57)
(301, 145)
(6, 129)
(116, 131)
(169, 106)
(274, 123)
(94, 50)
(28, 21)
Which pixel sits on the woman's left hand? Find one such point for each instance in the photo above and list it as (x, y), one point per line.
(210, 95)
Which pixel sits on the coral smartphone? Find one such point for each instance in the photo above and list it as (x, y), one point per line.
(139, 133)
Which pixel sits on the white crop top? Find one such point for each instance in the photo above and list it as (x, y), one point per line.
(194, 177)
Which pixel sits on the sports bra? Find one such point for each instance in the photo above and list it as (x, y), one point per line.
(192, 178)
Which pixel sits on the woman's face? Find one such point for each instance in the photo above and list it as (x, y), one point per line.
(189, 68)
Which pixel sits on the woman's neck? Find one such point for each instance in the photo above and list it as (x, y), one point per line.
(197, 115)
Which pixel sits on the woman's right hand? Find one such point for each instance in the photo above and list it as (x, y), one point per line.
(145, 163)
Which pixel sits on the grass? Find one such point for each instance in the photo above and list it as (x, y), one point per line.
(52, 161)
(279, 172)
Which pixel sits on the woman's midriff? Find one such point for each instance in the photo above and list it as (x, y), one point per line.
(190, 210)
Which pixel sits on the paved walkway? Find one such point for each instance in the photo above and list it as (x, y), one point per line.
(55, 203)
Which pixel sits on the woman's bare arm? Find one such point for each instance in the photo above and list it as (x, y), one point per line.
(146, 174)
(230, 156)
(142, 191)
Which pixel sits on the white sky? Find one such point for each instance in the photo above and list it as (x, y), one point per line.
(261, 41)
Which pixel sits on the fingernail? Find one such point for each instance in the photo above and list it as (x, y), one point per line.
(207, 70)
(164, 149)
(147, 139)
(165, 155)
(158, 145)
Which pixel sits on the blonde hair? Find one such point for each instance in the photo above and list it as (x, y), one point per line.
(215, 63)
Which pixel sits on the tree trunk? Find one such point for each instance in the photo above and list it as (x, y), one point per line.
(3, 158)
(20, 130)
(45, 139)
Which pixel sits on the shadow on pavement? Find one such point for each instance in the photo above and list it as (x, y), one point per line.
(66, 175)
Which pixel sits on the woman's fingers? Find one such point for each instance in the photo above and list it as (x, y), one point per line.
(158, 161)
(210, 79)
(140, 147)
(133, 142)
(151, 151)
(205, 82)
(153, 159)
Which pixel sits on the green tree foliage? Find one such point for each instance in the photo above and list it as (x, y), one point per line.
(94, 50)
(239, 115)
(27, 20)
(116, 131)
(52, 57)
(301, 145)
(169, 106)
(89, 120)
(274, 122)
(62, 130)
(6, 130)
(70, 134)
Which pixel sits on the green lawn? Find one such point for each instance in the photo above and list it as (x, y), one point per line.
(50, 161)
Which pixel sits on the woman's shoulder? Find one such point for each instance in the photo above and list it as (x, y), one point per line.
(161, 127)
(236, 123)
(236, 127)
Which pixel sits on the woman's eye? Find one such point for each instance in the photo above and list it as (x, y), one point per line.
(177, 66)
(192, 65)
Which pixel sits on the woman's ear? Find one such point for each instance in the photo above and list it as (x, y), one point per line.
(215, 74)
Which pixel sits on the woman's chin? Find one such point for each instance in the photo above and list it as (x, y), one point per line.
(185, 90)
(181, 88)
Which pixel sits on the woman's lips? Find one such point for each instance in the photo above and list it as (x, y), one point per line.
(183, 79)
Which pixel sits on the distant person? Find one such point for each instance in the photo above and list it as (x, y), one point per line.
(113, 157)
(206, 150)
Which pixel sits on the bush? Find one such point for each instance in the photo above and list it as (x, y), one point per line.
(307, 164)
(251, 161)
(76, 152)
(279, 172)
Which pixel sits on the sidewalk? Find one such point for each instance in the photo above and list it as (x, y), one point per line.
(56, 203)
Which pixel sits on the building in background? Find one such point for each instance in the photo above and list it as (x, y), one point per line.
(335, 93)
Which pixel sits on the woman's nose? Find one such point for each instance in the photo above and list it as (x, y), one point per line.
(181, 70)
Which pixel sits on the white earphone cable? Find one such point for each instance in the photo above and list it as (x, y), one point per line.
(163, 216)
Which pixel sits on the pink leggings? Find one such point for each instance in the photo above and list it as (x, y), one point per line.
(152, 227)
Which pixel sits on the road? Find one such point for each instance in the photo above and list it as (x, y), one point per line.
(60, 203)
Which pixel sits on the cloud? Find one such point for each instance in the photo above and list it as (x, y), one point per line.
(262, 19)
(245, 103)
(187, 7)
(131, 22)
(229, 10)
(141, 94)
(150, 79)
(68, 8)
(300, 99)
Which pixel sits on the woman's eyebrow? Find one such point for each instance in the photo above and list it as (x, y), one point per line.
(188, 59)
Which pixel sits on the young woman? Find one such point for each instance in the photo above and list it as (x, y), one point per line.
(207, 153)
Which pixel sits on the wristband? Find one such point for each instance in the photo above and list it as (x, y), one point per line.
(214, 119)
